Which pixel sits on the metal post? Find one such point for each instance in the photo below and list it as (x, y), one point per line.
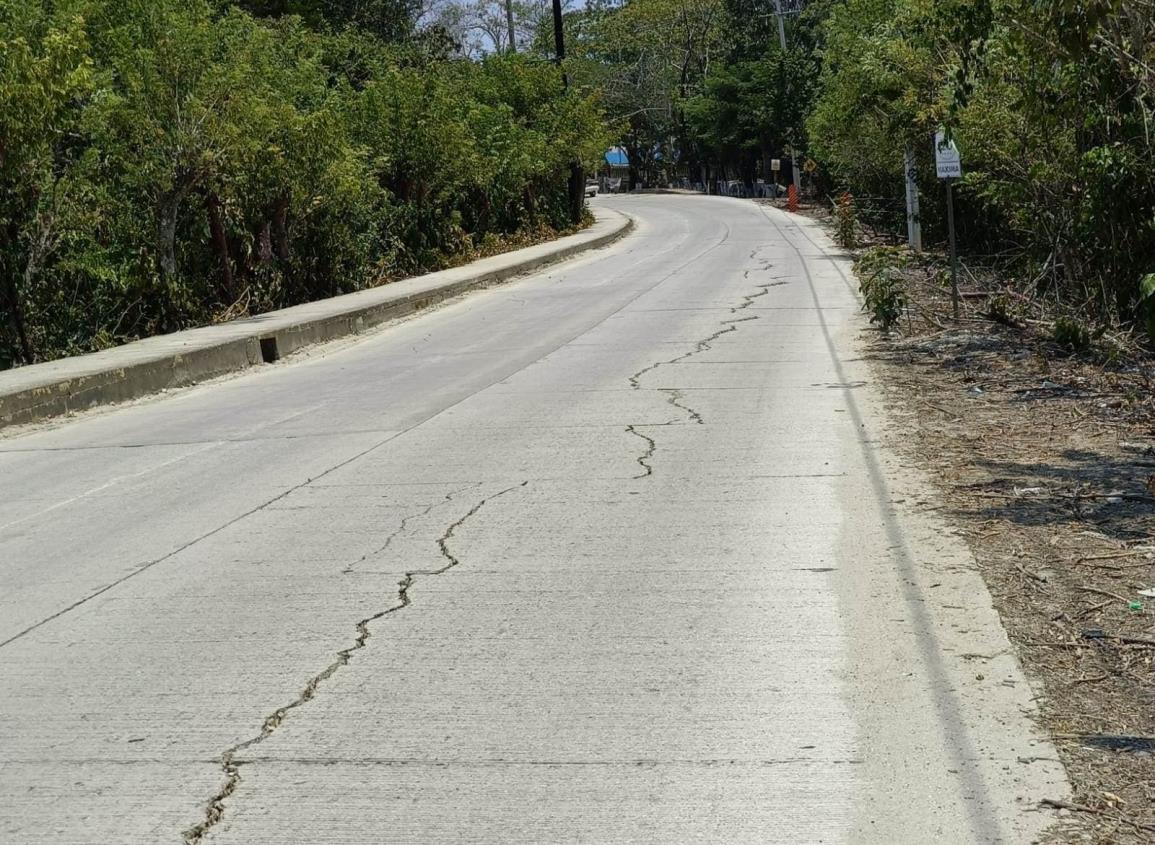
(953, 254)
(913, 224)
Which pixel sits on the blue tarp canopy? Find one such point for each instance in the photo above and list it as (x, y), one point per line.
(616, 157)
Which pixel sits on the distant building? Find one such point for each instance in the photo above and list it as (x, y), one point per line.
(615, 173)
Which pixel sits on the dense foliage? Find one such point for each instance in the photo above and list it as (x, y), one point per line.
(648, 58)
(167, 163)
(702, 88)
(1050, 102)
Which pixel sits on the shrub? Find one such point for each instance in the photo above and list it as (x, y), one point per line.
(883, 285)
(1071, 334)
(1003, 308)
(167, 163)
(846, 221)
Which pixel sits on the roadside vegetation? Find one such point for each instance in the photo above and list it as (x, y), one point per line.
(1050, 102)
(1033, 413)
(165, 164)
(171, 163)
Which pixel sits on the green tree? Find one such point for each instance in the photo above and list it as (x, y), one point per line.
(167, 163)
(648, 58)
(390, 20)
(45, 70)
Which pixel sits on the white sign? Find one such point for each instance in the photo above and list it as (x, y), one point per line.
(947, 159)
(775, 164)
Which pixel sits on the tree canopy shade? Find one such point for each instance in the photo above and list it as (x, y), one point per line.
(167, 163)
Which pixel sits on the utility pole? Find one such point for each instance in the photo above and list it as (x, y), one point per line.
(913, 224)
(577, 179)
(559, 41)
(510, 26)
(954, 295)
(781, 13)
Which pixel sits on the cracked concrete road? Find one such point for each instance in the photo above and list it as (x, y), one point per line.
(609, 554)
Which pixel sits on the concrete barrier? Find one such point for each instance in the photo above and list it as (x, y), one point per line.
(42, 391)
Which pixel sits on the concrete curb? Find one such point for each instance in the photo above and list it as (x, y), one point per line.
(42, 391)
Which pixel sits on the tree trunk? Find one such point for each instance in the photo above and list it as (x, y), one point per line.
(168, 212)
(17, 316)
(632, 156)
(577, 192)
(281, 229)
(166, 240)
(221, 244)
(265, 242)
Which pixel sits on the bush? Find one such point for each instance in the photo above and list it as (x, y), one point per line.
(168, 163)
(1071, 334)
(883, 285)
(1053, 119)
(1003, 308)
(846, 221)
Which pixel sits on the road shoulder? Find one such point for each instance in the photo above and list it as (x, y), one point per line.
(932, 642)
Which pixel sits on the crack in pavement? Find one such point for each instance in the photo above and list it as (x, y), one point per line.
(215, 809)
(404, 525)
(477, 763)
(649, 453)
(635, 379)
(675, 397)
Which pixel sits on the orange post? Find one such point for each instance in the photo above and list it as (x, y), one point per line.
(792, 198)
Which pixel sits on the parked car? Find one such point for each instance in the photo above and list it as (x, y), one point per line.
(591, 189)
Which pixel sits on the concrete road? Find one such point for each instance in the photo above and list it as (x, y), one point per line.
(613, 553)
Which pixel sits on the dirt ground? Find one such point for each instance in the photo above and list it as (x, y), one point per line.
(1045, 460)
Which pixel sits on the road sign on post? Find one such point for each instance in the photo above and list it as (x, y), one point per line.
(948, 163)
(947, 159)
